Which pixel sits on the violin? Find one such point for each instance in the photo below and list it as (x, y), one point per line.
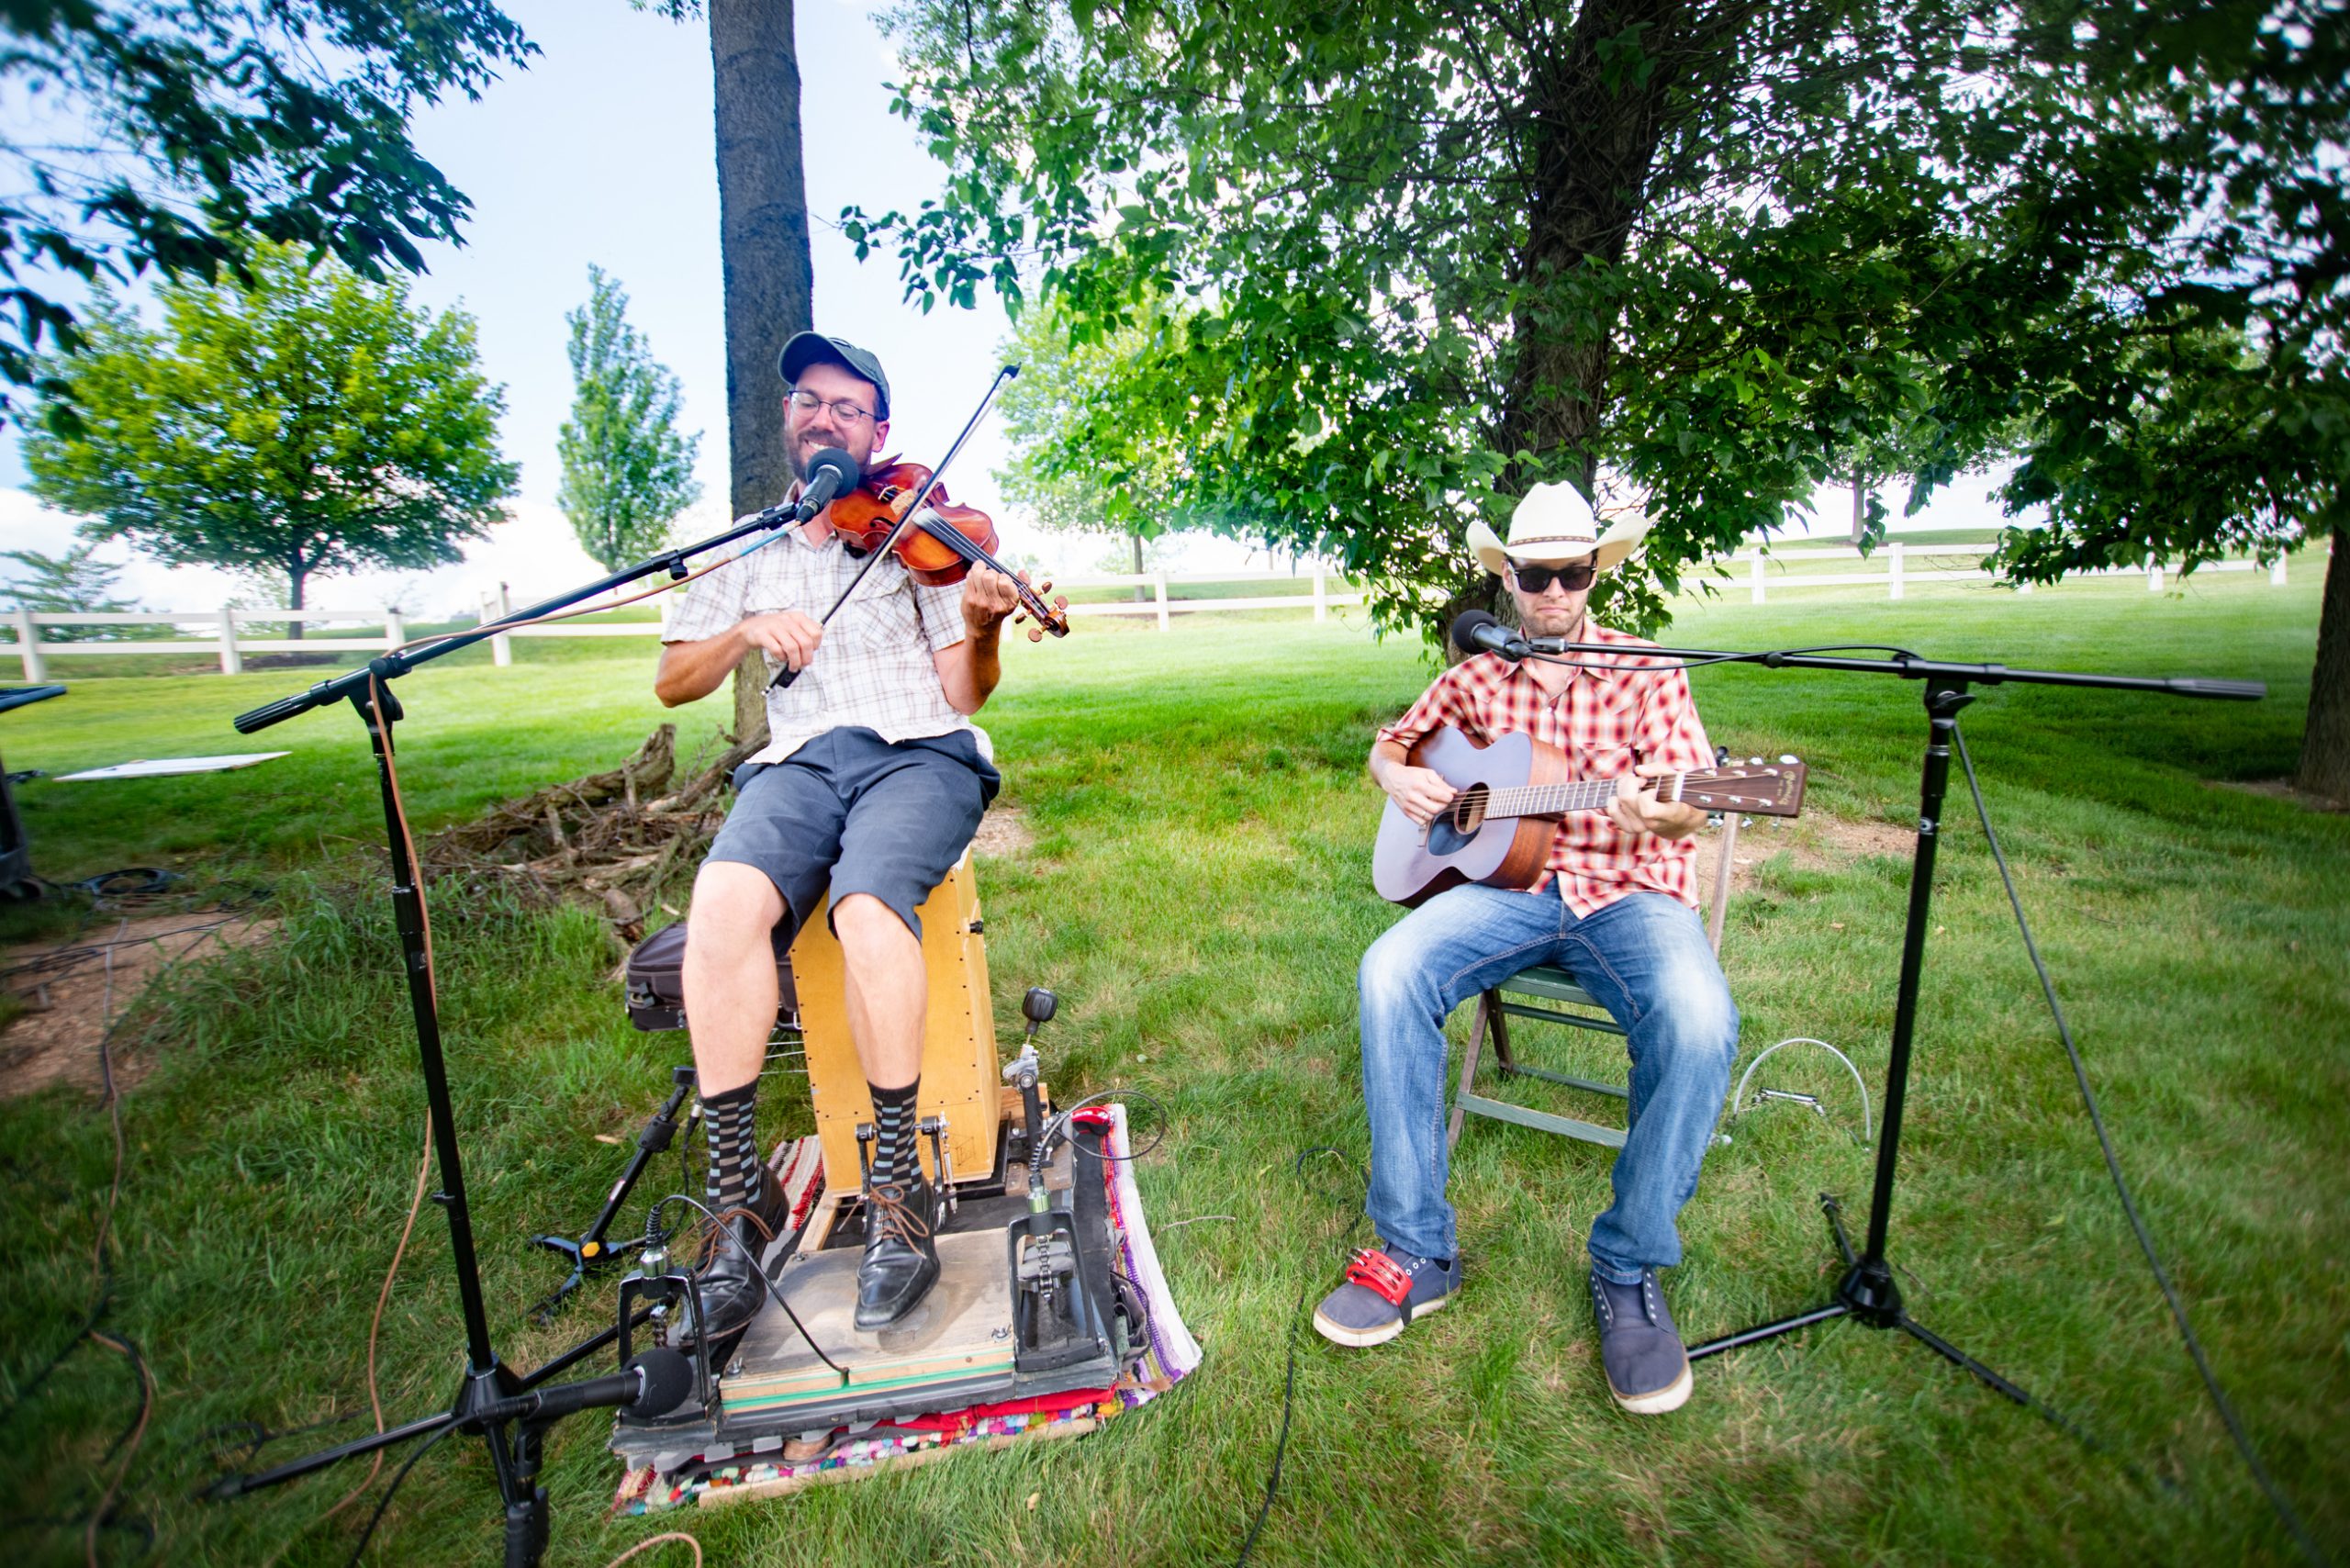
(892, 508)
(942, 542)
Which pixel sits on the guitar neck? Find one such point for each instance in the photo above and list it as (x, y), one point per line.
(1584, 795)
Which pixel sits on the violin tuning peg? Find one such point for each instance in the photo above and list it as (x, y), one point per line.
(1035, 633)
(1060, 602)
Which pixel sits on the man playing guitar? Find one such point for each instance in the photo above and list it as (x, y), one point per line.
(1615, 904)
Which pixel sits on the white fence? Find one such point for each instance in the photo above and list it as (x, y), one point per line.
(1899, 557)
(1161, 607)
(223, 634)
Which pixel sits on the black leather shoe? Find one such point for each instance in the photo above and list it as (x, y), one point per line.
(730, 1292)
(901, 1252)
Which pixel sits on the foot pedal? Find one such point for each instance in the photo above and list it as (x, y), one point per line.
(941, 1162)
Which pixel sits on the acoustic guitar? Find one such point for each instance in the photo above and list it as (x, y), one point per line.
(1498, 830)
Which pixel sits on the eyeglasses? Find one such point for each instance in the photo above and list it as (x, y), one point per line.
(1574, 576)
(846, 412)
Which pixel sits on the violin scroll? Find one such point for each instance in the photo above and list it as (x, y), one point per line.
(1052, 615)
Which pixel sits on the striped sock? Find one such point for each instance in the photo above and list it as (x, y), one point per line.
(733, 1148)
(894, 1159)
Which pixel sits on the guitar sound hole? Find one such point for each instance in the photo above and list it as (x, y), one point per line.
(1457, 824)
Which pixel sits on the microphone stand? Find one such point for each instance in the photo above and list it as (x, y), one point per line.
(514, 1441)
(1867, 1293)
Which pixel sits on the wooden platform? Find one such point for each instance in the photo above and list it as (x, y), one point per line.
(958, 1331)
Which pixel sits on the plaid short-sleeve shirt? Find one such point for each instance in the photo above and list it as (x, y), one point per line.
(875, 667)
(1605, 721)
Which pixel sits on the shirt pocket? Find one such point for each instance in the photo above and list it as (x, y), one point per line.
(883, 624)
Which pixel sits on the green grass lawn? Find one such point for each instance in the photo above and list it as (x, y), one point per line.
(1198, 893)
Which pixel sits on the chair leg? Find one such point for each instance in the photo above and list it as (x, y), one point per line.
(1489, 1018)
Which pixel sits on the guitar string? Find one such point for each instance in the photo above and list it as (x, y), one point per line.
(1592, 794)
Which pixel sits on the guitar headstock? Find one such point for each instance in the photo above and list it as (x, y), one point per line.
(1757, 787)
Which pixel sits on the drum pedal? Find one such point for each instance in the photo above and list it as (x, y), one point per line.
(941, 1162)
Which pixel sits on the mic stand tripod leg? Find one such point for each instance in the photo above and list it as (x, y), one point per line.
(591, 1250)
(1867, 1291)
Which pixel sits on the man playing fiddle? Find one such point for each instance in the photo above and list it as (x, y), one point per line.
(870, 786)
(1615, 905)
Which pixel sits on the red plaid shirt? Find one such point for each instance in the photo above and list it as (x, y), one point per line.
(1604, 721)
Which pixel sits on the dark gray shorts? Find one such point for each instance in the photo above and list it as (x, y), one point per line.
(850, 812)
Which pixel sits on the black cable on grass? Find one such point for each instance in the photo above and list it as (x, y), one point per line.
(243, 1440)
(81, 1332)
(102, 1271)
(385, 1502)
(1289, 1377)
(2277, 1501)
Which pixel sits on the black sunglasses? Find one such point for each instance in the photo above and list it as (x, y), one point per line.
(1574, 576)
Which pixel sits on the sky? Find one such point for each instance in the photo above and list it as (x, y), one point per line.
(602, 153)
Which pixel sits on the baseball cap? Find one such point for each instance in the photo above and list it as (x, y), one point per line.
(812, 348)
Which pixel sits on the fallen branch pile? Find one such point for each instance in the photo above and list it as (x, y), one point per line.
(612, 841)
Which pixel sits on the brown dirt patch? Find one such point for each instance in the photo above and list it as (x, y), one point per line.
(1002, 832)
(1814, 842)
(2283, 789)
(74, 990)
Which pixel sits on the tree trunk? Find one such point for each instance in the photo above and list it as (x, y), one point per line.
(300, 577)
(763, 242)
(1589, 147)
(1139, 593)
(1860, 504)
(2325, 743)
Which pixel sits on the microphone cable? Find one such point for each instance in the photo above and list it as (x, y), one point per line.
(1289, 1377)
(2276, 1500)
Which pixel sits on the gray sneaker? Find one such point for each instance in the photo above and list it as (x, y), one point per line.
(1384, 1289)
(1648, 1371)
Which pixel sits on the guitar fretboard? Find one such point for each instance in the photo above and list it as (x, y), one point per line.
(1584, 795)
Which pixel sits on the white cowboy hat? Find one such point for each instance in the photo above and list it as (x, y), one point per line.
(1553, 523)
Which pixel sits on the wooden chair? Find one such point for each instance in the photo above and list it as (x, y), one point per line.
(1567, 1003)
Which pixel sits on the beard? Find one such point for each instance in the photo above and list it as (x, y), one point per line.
(1566, 624)
(796, 456)
(799, 452)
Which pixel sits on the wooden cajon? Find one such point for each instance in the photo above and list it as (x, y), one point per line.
(960, 1076)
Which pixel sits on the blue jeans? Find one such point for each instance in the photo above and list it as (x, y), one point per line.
(1644, 957)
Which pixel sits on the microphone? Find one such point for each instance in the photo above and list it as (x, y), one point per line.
(830, 472)
(1474, 631)
(652, 1383)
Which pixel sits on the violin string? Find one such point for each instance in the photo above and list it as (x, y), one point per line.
(975, 553)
